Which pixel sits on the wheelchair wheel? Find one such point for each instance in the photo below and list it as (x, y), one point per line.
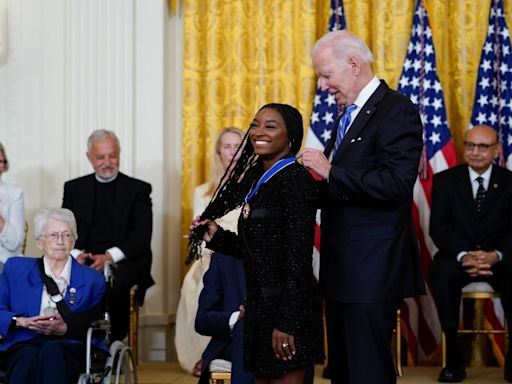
(123, 365)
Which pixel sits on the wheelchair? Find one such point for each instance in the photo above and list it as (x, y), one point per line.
(118, 365)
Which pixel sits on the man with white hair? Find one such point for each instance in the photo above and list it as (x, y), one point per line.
(114, 218)
(369, 260)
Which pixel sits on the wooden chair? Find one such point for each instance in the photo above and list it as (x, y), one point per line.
(220, 371)
(478, 291)
(398, 345)
(24, 243)
(134, 324)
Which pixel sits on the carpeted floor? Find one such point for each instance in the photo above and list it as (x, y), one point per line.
(167, 373)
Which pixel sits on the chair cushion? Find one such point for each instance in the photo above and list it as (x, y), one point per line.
(220, 365)
(478, 286)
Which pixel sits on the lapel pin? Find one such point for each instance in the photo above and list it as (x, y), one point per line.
(72, 292)
(495, 185)
(368, 111)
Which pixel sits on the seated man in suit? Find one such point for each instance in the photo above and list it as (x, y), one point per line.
(471, 224)
(219, 315)
(114, 219)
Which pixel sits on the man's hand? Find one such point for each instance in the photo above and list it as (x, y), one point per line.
(99, 261)
(479, 263)
(315, 159)
(83, 257)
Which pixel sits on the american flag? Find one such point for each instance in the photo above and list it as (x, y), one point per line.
(325, 112)
(420, 82)
(493, 107)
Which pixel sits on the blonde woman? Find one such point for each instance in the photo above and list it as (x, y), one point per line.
(12, 215)
(189, 344)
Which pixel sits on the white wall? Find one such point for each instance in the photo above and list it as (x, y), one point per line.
(73, 66)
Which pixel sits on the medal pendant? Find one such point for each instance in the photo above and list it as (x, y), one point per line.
(246, 210)
(48, 310)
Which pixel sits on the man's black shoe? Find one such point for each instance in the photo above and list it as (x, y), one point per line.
(452, 375)
(508, 373)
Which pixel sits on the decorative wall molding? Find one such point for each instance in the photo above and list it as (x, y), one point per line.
(100, 74)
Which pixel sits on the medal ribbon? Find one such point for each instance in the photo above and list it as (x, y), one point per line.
(278, 166)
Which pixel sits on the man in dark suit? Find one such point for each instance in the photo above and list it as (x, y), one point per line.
(369, 258)
(472, 227)
(114, 219)
(219, 316)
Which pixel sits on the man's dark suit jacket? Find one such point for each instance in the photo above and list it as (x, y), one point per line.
(223, 293)
(133, 221)
(455, 226)
(369, 251)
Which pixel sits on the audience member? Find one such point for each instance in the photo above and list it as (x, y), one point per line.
(43, 337)
(220, 315)
(190, 344)
(12, 215)
(471, 225)
(114, 219)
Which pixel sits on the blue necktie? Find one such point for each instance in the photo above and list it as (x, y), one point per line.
(342, 126)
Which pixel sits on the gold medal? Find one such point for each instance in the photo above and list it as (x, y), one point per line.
(246, 210)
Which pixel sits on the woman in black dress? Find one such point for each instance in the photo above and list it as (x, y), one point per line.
(283, 332)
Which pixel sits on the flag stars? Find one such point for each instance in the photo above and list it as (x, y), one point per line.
(436, 121)
(314, 117)
(326, 135)
(328, 118)
(482, 101)
(317, 101)
(435, 138)
(484, 83)
(486, 65)
(488, 47)
(481, 118)
(330, 100)
(437, 103)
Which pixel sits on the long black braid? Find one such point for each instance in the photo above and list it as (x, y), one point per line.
(236, 184)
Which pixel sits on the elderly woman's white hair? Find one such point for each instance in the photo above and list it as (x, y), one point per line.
(60, 214)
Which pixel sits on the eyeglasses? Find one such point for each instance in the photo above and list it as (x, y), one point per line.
(481, 147)
(4, 162)
(55, 236)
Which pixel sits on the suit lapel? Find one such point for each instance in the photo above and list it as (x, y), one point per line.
(493, 188)
(88, 200)
(34, 300)
(332, 140)
(363, 117)
(465, 191)
(119, 202)
(75, 291)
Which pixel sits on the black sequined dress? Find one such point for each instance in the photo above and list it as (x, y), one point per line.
(276, 243)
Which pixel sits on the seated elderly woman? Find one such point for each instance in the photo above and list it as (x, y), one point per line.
(47, 304)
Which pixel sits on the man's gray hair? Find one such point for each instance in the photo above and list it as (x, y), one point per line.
(60, 214)
(101, 134)
(344, 44)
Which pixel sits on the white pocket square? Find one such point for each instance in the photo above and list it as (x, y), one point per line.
(356, 139)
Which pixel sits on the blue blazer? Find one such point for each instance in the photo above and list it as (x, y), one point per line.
(223, 292)
(21, 289)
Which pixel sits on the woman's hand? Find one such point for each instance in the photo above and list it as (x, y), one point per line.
(210, 231)
(283, 345)
(52, 324)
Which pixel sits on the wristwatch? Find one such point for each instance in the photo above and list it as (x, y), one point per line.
(14, 319)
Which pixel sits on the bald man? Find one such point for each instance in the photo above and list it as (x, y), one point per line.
(471, 224)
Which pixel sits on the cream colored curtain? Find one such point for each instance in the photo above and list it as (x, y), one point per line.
(241, 54)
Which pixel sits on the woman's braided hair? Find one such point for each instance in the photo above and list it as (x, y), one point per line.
(236, 184)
